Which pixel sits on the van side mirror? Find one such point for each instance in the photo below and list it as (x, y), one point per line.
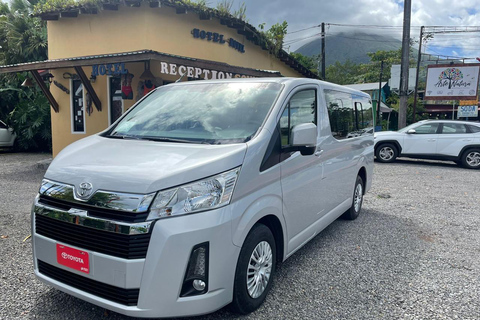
(304, 139)
(411, 131)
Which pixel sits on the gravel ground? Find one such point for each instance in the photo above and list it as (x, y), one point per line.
(414, 253)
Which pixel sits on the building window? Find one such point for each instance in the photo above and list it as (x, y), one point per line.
(115, 101)
(78, 110)
(302, 108)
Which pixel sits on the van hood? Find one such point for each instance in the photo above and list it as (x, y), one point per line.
(140, 166)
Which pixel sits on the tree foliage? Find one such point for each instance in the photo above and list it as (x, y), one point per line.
(311, 63)
(276, 34)
(22, 39)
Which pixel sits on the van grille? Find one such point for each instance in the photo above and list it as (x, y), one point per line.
(114, 244)
(128, 297)
(96, 212)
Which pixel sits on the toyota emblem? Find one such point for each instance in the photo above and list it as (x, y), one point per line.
(85, 190)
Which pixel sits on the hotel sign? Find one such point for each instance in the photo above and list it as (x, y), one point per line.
(110, 69)
(218, 38)
(197, 73)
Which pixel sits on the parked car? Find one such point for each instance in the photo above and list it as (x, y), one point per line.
(190, 199)
(7, 136)
(458, 141)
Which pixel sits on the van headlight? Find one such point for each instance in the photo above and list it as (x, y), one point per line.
(202, 195)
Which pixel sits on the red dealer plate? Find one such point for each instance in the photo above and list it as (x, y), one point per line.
(73, 258)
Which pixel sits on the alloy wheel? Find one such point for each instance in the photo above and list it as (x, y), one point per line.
(473, 159)
(259, 269)
(357, 201)
(386, 153)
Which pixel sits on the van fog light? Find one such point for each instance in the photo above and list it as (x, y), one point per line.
(196, 275)
(199, 285)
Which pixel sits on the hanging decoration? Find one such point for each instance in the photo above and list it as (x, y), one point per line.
(127, 91)
(61, 86)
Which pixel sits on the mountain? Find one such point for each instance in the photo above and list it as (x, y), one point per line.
(354, 46)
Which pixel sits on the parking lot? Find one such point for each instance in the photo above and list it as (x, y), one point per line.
(414, 253)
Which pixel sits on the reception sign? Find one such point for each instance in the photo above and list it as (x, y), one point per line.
(452, 82)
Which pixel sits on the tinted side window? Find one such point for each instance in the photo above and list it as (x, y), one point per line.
(364, 113)
(430, 128)
(302, 108)
(2, 125)
(452, 128)
(474, 129)
(341, 113)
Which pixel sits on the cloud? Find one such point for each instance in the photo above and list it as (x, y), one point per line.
(303, 14)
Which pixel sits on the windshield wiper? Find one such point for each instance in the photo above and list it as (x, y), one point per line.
(123, 136)
(165, 139)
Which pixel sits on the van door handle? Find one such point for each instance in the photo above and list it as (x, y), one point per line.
(468, 140)
(318, 153)
(431, 140)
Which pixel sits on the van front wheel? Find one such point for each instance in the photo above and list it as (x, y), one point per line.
(255, 269)
(354, 211)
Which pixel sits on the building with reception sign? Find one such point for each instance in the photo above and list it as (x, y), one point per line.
(103, 58)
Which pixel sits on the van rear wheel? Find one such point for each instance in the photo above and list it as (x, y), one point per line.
(255, 269)
(354, 211)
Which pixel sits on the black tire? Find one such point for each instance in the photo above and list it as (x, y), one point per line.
(471, 158)
(243, 302)
(357, 201)
(386, 152)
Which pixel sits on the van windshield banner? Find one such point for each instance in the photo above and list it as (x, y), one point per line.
(452, 82)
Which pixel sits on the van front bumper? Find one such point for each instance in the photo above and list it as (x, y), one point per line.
(156, 279)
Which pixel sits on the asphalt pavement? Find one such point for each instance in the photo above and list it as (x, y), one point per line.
(414, 253)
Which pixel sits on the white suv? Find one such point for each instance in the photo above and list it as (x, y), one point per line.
(458, 141)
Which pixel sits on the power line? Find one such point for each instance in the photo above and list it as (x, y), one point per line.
(303, 29)
(292, 41)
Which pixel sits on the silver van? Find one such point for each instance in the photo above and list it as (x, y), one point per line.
(187, 203)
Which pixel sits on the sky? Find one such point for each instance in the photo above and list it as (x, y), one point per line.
(306, 14)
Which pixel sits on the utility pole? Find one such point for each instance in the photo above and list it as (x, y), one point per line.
(402, 114)
(419, 59)
(323, 51)
(379, 100)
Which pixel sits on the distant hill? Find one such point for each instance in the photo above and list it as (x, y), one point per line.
(354, 46)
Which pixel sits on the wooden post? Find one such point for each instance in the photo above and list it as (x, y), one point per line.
(45, 90)
(88, 86)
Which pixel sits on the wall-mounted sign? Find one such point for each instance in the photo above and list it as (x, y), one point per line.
(110, 69)
(452, 82)
(467, 111)
(218, 38)
(198, 73)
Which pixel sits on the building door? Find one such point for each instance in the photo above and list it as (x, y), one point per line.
(115, 99)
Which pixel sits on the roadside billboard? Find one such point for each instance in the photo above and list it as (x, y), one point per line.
(452, 82)
(394, 82)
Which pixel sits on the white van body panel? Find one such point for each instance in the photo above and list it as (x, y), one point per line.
(148, 167)
(297, 198)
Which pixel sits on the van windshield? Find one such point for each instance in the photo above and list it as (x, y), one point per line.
(200, 113)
